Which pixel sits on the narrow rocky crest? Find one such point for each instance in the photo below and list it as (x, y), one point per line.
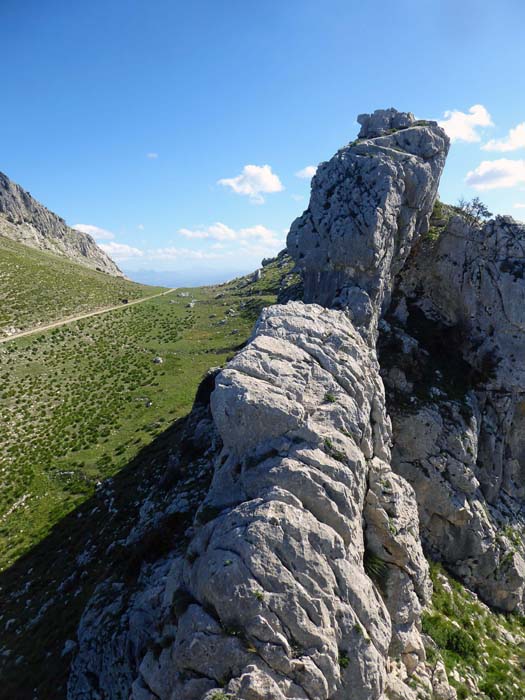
(27, 221)
(304, 577)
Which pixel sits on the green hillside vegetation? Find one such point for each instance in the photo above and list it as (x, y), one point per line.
(78, 402)
(86, 402)
(37, 288)
(483, 651)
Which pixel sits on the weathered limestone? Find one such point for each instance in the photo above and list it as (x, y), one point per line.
(369, 203)
(383, 121)
(454, 365)
(273, 596)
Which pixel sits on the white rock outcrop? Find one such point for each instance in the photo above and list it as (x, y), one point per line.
(454, 366)
(304, 576)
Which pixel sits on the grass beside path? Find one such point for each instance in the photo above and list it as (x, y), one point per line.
(78, 402)
(38, 288)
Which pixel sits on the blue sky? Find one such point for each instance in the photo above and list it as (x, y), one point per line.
(140, 117)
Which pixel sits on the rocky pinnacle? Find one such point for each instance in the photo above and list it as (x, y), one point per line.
(368, 206)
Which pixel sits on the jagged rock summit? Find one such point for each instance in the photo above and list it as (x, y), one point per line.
(27, 221)
(383, 122)
(303, 573)
(368, 206)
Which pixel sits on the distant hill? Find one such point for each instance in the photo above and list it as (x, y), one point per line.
(39, 287)
(25, 220)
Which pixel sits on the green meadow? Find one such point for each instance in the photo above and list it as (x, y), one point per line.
(37, 288)
(78, 402)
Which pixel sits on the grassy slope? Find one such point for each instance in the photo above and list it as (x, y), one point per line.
(45, 588)
(37, 287)
(483, 651)
(77, 403)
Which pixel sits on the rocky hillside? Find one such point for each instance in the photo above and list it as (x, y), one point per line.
(372, 420)
(25, 220)
(453, 364)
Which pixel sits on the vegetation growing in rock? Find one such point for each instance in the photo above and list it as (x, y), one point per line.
(375, 568)
(474, 210)
(483, 651)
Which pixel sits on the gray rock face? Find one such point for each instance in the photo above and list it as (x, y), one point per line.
(304, 577)
(368, 205)
(273, 597)
(382, 122)
(454, 367)
(25, 220)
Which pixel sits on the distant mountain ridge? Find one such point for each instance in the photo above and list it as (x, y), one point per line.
(24, 219)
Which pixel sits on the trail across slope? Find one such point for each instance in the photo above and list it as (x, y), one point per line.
(79, 317)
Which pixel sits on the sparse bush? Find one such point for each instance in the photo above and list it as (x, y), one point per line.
(344, 661)
(375, 568)
(220, 695)
(448, 636)
(474, 211)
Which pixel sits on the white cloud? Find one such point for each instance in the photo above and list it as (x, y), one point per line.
(152, 155)
(297, 197)
(306, 173)
(254, 181)
(222, 232)
(222, 243)
(99, 234)
(140, 227)
(219, 231)
(172, 252)
(493, 174)
(519, 205)
(514, 140)
(121, 251)
(463, 126)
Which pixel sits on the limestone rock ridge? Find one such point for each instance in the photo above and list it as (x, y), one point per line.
(303, 575)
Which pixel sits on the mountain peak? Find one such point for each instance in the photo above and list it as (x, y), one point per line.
(24, 219)
(383, 121)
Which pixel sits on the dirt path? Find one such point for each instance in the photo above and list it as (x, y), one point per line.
(70, 319)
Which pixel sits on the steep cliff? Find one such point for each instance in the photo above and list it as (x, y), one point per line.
(302, 575)
(27, 221)
(454, 367)
(369, 204)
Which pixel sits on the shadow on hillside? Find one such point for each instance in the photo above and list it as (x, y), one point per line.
(36, 620)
